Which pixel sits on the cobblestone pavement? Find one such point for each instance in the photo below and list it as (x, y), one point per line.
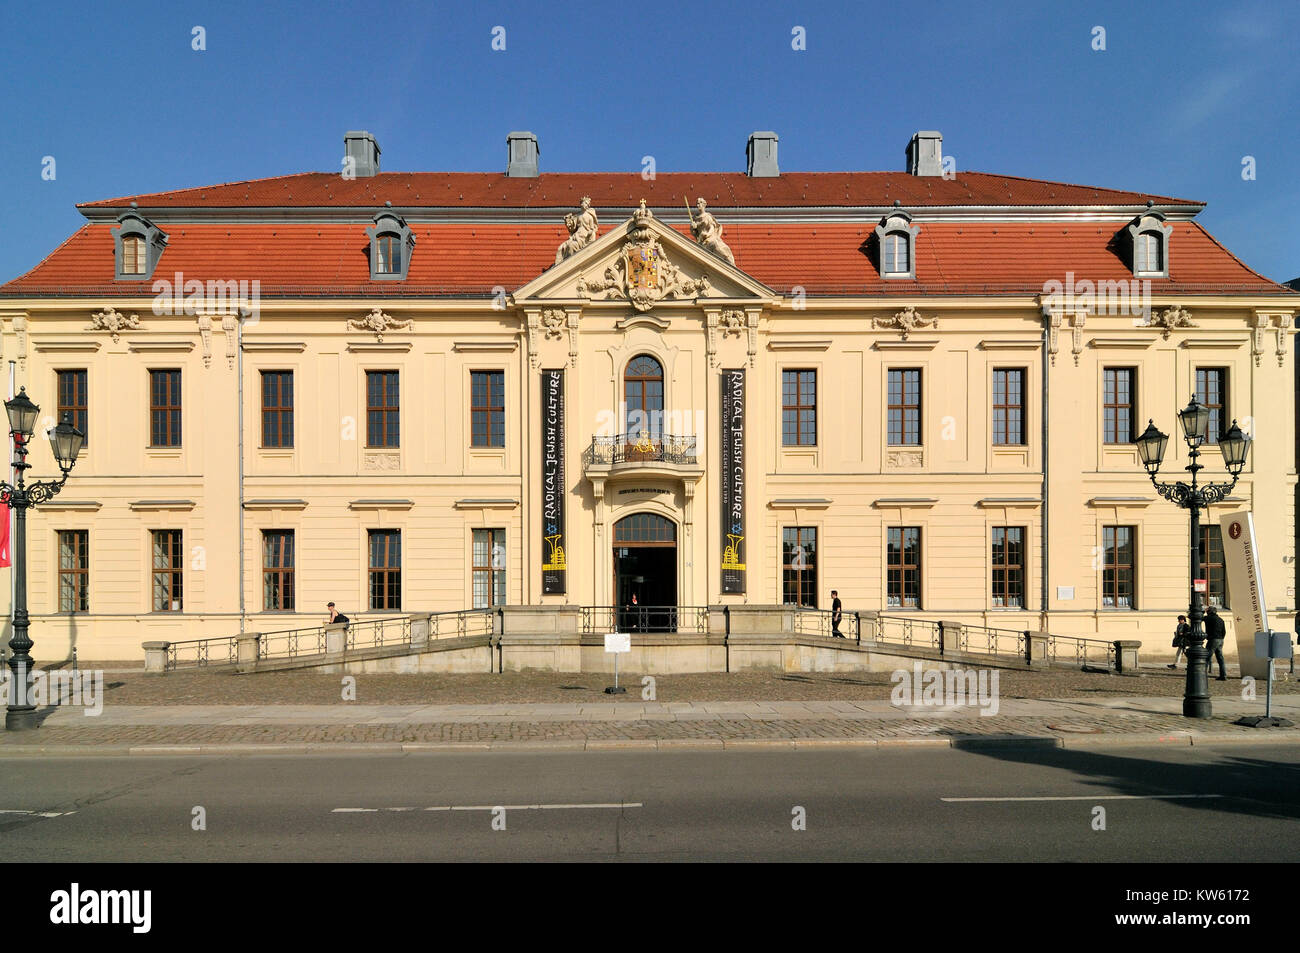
(133, 687)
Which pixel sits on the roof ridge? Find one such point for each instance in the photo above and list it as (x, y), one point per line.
(200, 188)
(1080, 185)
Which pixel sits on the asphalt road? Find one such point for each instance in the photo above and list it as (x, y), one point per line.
(859, 804)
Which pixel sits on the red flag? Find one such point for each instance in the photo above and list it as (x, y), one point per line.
(4, 538)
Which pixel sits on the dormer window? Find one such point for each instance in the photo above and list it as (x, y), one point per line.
(896, 245)
(391, 243)
(1149, 243)
(137, 246)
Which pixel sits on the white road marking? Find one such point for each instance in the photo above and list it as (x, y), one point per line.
(609, 806)
(355, 810)
(1085, 797)
(40, 813)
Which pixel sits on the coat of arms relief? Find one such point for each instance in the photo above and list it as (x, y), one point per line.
(643, 274)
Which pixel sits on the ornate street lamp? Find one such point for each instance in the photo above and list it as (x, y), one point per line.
(1235, 445)
(66, 441)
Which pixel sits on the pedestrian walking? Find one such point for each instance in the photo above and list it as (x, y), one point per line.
(837, 614)
(1182, 639)
(1215, 633)
(336, 617)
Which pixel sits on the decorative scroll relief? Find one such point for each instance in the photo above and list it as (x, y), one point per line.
(379, 323)
(1054, 320)
(905, 321)
(643, 274)
(382, 461)
(1171, 319)
(551, 323)
(728, 322)
(901, 459)
(114, 322)
(1264, 321)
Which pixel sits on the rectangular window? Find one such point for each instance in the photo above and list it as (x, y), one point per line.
(1117, 404)
(799, 566)
(168, 581)
(277, 570)
(133, 262)
(487, 414)
(489, 568)
(72, 400)
(385, 569)
(1009, 567)
(1009, 407)
(1117, 567)
(74, 570)
(904, 408)
(165, 408)
(1212, 391)
(896, 254)
(1210, 565)
(390, 254)
(1147, 259)
(799, 408)
(277, 408)
(903, 567)
(381, 409)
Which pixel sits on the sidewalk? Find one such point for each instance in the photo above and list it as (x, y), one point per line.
(281, 729)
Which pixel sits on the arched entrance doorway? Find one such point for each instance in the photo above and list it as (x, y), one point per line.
(645, 572)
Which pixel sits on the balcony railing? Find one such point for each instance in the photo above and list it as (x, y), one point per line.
(640, 448)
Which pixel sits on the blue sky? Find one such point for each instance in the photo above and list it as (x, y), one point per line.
(1181, 94)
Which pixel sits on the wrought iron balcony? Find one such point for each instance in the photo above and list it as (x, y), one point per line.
(627, 448)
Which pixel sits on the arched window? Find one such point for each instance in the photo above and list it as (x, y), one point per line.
(1149, 241)
(643, 395)
(133, 256)
(896, 245)
(137, 246)
(391, 245)
(390, 254)
(641, 529)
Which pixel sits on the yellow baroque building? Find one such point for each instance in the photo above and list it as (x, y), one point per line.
(406, 392)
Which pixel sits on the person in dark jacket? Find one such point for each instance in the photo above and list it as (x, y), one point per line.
(1215, 633)
(1182, 639)
(336, 617)
(837, 614)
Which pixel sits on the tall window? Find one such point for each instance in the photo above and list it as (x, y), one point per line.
(133, 257)
(896, 254)
(277, 408)
(487, 414)
(1148, 257)
(1009, 567)
(799, 566)
(1212, 391)
(1211, 566)
(385, 569)
(390, 254)
(1009, 407)
(1117, 567)
(904, 408)
(165, 408)
(643, 392)
(799, 408)
(903, 567)
(74, 570)
(381, 409)
(489, 568)
(277, 570)
(1117, 404)
(72, 400)
(168, 582)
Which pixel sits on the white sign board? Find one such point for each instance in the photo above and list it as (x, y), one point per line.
(618, 642)
(1245, 589)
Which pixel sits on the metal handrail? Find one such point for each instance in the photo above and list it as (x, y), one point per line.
(820, 622)
(639, 618)
(640, 448)
(458, 623)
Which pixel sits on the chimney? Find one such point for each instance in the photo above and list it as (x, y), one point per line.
(362, 149)
(925, 154)
(760, 156)
(523, 155)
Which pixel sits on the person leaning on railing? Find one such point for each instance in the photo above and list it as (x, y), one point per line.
(336, 617)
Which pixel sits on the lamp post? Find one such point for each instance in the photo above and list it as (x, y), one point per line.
(1190, 495)
(66, 441)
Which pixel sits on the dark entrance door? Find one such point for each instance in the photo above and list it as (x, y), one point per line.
(645, 573)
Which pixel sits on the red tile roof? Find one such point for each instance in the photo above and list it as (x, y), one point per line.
(469, 260)
(626, 189)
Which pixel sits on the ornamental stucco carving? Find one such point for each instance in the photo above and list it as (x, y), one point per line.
(1171, 319)
(643, 274)
(902, 459)
(379, 323)
(906, 321)
(708, 233)
(582, 231)
(114, 322)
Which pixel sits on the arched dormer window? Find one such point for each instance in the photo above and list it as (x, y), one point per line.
(1149, 246)
(643, 397)
(391, 244)
(896, 245)
(137, 245)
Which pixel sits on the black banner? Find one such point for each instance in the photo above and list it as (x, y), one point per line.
(554, 563)
(733, 480)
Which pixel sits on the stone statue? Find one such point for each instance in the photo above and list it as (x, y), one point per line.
(708, 233)
(582, 231)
